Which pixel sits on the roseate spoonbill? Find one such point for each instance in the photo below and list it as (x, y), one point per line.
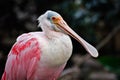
(43, 55)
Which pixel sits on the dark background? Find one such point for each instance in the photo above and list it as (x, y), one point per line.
(97, 21)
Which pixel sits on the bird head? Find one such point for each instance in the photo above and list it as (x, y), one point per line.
(54, 21)
(48, 20)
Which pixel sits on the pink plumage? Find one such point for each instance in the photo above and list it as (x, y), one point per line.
(24, 61)
(43, 55)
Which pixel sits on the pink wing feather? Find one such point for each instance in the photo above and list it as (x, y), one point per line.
(23, 59)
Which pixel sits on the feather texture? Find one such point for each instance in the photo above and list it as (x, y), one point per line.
(34, 57)
(22, 59)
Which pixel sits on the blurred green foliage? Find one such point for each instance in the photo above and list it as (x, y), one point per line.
(111, 63)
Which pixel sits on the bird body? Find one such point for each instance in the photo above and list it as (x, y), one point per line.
(43, 55)
(41, 58)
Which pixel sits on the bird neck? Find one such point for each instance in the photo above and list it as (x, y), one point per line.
(49, 32)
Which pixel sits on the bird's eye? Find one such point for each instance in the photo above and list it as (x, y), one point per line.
(53, 18)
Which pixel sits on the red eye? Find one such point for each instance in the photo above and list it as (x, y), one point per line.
(53, 18)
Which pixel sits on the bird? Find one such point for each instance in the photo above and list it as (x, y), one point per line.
(43, 55)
